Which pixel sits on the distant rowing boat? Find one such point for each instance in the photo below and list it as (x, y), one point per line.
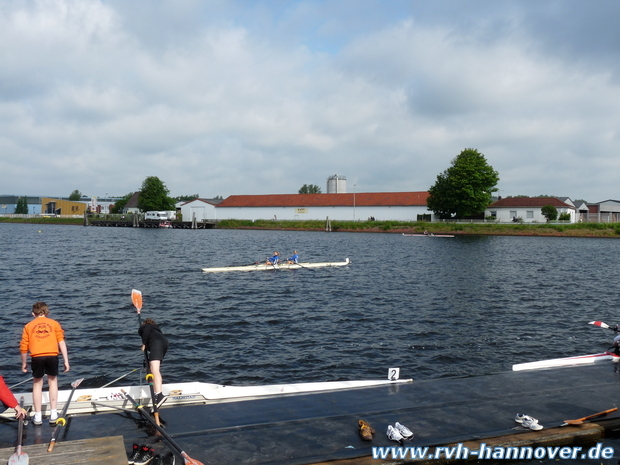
(281, 266)
(567, 361)
(429, 235)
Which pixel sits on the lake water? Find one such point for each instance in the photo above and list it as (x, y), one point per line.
(435, 307)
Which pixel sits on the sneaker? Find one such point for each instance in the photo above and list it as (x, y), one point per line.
(53, 417)
(532, 423)
(528, 421)
(146, 455)
(135, 453)
(365, 430)
(37, 420)
(169, 459)
(404, 431)
(159, 399)
(393, 434)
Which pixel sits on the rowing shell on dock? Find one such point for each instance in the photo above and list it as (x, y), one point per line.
(110, 399)
(280, 266)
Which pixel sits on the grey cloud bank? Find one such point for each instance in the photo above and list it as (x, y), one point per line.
(222, 98)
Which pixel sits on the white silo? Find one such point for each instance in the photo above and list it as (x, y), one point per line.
(336, 184)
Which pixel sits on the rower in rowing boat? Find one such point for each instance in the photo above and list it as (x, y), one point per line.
(294, 258)
(273, 261)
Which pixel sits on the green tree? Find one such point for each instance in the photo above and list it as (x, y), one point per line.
(310, 189)
(75, 195)
(120, 204)
(465, 188)
(549, 212)
(154, 196)
(186, 198)
(21, 207)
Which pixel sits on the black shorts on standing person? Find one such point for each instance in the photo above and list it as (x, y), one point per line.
(154, 341)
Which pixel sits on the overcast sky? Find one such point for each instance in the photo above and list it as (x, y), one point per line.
(260, 97)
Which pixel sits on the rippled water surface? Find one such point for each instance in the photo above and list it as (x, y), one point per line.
(434, 307)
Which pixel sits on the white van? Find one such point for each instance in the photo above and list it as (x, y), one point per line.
(158, 216)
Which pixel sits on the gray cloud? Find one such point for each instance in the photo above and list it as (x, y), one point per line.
(243, 97)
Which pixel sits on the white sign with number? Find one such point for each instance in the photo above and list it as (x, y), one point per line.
(393, 374)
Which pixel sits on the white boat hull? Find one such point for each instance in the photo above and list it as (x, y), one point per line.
(567, 361)
(429, 235)
(281, 266)
(110, 399)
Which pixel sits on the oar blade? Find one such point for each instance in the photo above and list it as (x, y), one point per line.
(600, 324)
(136, 298)
(20, 458)
(189, 460)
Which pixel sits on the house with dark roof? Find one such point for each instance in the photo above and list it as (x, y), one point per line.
(398, 206)
(607, 211)
(527, 209)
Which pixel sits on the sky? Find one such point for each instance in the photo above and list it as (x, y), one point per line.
(235, 97)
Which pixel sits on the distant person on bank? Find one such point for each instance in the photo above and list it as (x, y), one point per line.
(154, 341)
(44, 338)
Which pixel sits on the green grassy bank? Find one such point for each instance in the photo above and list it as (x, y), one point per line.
(571, 230)
(611, 230)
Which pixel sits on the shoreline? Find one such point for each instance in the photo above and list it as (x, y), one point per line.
(587, 230)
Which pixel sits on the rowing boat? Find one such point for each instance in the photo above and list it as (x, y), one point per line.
(568, 361)
(111, 399)
(429, 235)
(280, 266)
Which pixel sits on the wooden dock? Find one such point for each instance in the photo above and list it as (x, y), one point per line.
(103, 451)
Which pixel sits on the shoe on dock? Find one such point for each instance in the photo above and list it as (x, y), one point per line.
(366, 431)
(393, 434)
(146, 456)
(404, 431)
(528, 421)
(135, 453)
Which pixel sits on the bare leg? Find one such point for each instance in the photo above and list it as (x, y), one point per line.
(157, 380)
(52, 383)
(37, 393)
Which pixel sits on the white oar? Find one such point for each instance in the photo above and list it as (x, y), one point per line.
(19, 457)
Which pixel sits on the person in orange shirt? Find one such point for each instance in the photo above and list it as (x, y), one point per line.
(44, 338)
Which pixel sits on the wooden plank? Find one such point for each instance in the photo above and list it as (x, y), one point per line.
(103, 451)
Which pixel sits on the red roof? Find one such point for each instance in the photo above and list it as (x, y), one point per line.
(362, 199)
(529, 202)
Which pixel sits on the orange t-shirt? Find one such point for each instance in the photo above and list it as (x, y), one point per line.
(41, 337)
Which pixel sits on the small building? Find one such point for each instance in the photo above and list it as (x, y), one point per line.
(607, 211)
(527, 209)
(397, 206)
(200, 209)
(56, 206)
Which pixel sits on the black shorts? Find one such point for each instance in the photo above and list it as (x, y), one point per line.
(158, 349)
(44, 366)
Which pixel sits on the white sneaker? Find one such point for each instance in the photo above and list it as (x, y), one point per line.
(532, 423)
(528, 421)
(404, 431)
(53, 417)
(393, 434)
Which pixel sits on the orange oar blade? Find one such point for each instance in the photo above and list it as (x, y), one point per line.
(581, 420)
(136, 298)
